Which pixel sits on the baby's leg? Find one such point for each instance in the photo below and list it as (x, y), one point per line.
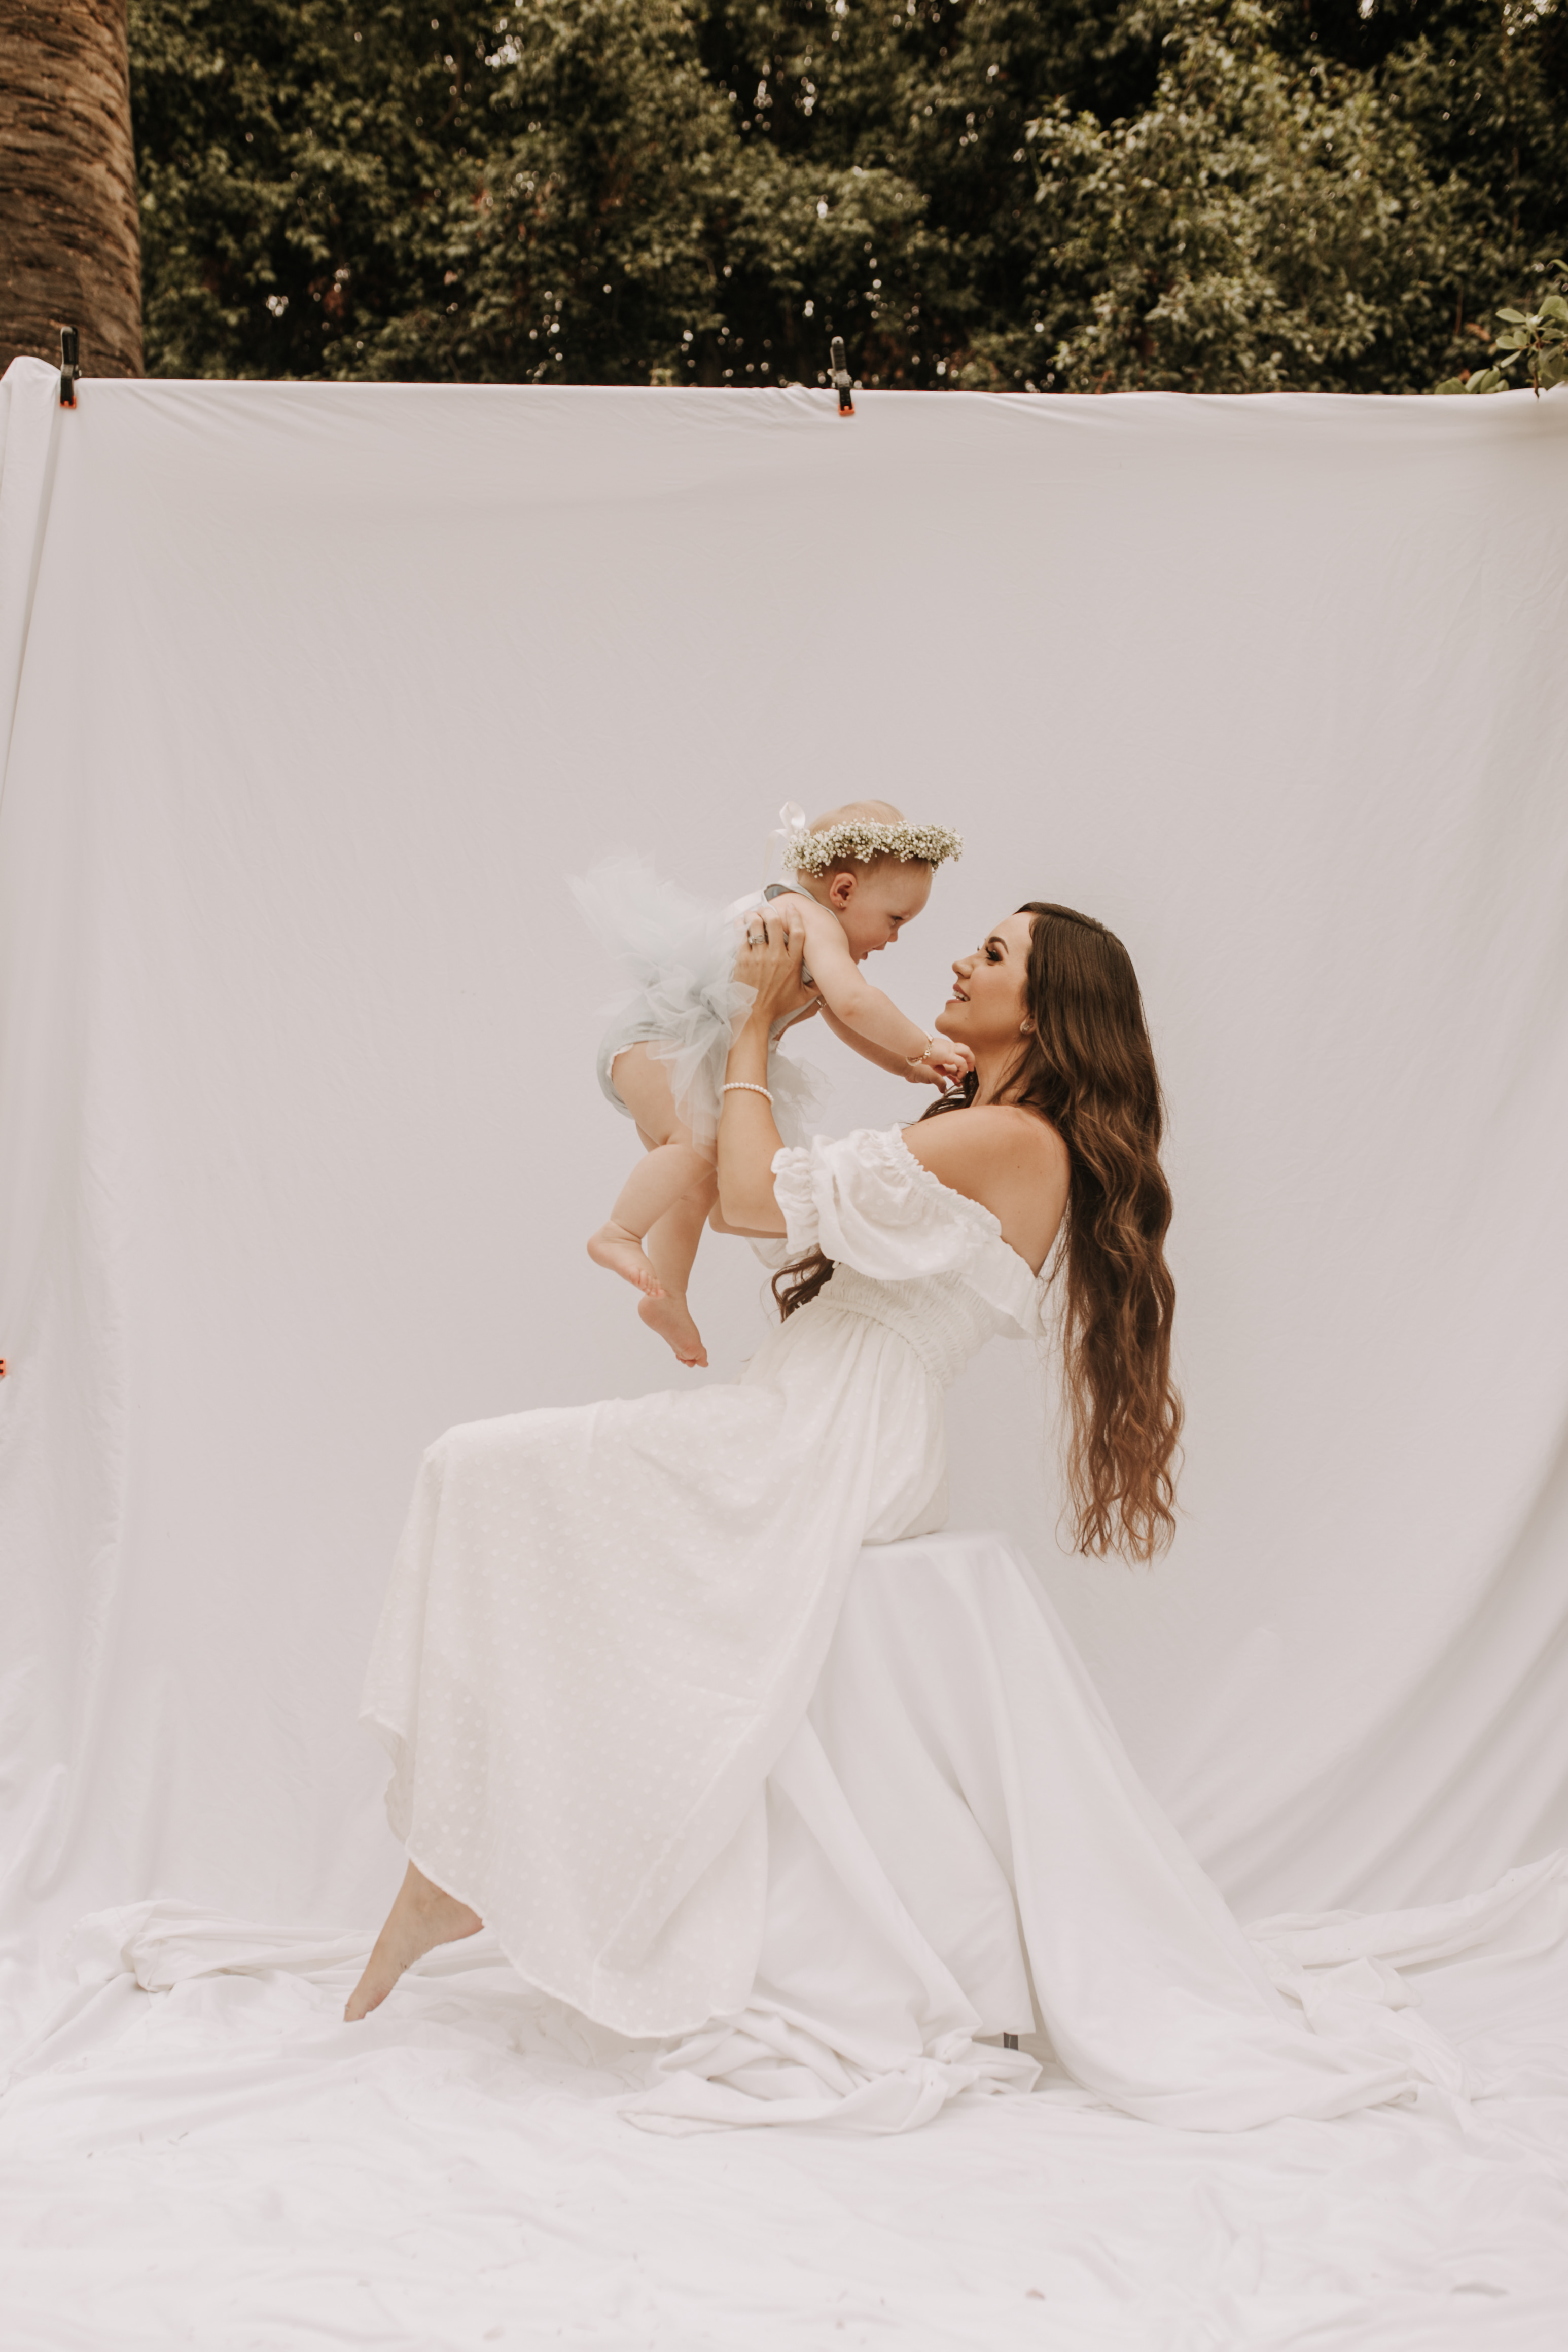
(672, 1167)
(671, 1245)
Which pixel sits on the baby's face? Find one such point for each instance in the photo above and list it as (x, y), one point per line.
(881, 902)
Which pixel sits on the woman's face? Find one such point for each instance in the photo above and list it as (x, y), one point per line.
(986, 1007)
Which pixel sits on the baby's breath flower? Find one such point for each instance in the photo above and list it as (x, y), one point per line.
(859, 842)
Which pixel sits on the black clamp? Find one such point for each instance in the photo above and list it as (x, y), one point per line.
(69, 368)
(842, 383)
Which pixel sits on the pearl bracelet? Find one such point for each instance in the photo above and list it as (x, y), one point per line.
(744, 1087)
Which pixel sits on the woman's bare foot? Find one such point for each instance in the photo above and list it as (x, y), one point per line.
(622, 1252)
(423, 1916)
(666, 1315)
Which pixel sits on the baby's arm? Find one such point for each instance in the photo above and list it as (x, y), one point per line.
(859, 1014)
(919, 1072)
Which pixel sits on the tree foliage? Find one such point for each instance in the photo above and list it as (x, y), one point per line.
(1073, 194)
(1534, 341)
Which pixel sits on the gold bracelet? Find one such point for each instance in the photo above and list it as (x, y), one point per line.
(744, 1087)
(914, 1060)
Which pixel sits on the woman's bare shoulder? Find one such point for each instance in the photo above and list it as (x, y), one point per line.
(990, 1135)
(1011, 1160)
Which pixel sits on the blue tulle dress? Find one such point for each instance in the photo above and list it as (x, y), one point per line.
(682, 1000)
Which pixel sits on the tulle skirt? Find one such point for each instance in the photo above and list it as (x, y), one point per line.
(682, 1001)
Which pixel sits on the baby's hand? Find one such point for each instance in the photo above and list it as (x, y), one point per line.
(945, 1064)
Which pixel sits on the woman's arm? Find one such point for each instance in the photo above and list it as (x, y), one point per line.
(748, 1136)
(716, 1224)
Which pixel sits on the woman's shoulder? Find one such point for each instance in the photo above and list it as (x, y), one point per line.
(1009, 1160)
(987, 1135)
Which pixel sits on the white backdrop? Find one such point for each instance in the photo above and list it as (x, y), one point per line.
(323, 691)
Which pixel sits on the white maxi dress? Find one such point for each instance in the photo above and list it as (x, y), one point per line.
(734, 1751)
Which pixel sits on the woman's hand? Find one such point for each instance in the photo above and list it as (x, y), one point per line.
(772, 945)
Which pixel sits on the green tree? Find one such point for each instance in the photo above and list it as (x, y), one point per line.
(1265, 222)
(1484, 85)
(1207, 195)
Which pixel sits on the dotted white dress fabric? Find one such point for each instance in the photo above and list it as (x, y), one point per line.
(605, 1621)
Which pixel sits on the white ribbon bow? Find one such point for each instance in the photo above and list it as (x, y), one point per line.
(791, 827)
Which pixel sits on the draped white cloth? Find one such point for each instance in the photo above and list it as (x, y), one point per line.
(600, 1674)
(957, 1847)
(315, 694)
(312, 696)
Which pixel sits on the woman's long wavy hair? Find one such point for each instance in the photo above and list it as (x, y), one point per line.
(1087, 1066)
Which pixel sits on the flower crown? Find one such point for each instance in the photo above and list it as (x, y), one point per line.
(860, 840)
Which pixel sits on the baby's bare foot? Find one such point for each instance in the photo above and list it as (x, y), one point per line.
(622, 1252)
(423, 1916)
(666, 1315)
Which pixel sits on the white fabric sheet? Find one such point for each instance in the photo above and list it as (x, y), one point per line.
(326, 690)
(319, 694)
(194, 2146)
(224, 2163)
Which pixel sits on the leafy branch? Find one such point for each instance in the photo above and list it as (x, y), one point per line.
(1539, 338)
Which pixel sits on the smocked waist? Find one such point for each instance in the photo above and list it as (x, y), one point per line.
(943, 1355)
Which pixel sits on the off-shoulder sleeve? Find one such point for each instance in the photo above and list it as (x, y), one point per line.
(869, 1203)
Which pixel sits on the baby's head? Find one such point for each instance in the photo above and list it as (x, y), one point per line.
(871, 866)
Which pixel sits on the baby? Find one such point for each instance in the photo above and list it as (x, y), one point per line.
(860, 874)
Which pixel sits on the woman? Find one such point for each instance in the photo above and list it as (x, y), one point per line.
(627, 1724)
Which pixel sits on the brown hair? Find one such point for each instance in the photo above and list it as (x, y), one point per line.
(1087, 1066)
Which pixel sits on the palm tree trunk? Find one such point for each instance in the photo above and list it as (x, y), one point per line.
(70, 251)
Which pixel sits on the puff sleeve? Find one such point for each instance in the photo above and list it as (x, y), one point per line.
(865, 1201)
